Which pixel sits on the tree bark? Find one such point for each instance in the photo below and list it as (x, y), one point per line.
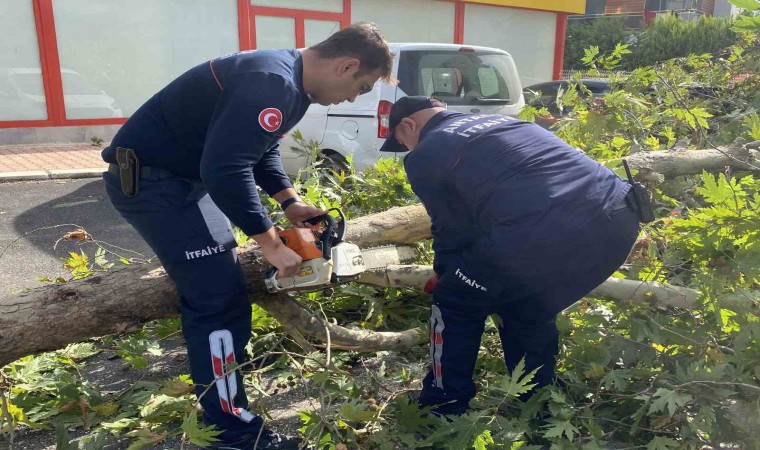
(673, 163)
(614, 289)
(400, 225)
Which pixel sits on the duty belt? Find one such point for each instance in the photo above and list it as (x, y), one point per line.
(130, 172)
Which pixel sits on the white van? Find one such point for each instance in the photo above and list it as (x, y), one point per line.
(469, 79)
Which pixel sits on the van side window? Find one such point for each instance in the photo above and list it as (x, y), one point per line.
(488, 79)
(457, 77)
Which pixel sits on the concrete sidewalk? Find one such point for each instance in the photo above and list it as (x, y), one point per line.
(50, 161)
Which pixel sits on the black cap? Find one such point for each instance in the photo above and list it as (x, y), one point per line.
(405, 107)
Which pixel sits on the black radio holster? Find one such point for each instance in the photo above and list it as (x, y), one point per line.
(129, 171)
(640, 198)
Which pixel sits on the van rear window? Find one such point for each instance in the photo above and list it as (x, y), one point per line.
(455, 77)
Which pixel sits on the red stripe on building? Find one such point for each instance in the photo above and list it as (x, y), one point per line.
(245, 25)
(51, 66)
(459, 23)
(559, 45)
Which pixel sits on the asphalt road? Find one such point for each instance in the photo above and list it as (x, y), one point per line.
(34, 217)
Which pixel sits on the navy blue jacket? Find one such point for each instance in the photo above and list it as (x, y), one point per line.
(221, 122)
(494, 187)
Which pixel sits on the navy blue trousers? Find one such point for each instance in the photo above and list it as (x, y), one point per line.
(194, 242)
(553, 275)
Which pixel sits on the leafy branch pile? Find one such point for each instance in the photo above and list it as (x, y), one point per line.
(634, 375)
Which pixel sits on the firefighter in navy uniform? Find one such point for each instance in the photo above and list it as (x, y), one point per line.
(523, 226)
(190, 160)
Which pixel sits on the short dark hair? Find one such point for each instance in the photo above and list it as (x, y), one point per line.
(362, 41)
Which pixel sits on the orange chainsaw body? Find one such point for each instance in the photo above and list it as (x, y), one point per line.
(302, 241)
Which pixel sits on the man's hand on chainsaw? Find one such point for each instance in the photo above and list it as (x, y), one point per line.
(298, 213)
(278, 254)
(284, 259)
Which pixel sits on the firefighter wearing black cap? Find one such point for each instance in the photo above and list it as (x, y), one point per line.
(523, 226)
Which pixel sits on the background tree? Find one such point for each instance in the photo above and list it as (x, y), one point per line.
(667, 37)
(603, 32)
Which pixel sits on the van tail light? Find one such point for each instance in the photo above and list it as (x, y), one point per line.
(383, 118)
(466, 49)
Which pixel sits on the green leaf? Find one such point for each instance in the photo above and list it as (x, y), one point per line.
(746, 24)
(706, 415)
(144, 438)
(667, 399)
(177, 386)
(79, 352)
(483, 440)
(661, 443)
(718, 190)
(155, 349)
(163, 407)
(465, 430)
(410, 417)
(515, 384)
(95, 441)
(357, 412)
(590, 55)
(168, 326)
(557, 428)
(701, 116)
(62, 438)
(749, 5)
(121, 423)
(616, 379)
(197, 434)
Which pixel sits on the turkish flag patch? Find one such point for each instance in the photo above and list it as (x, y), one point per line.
(270, 119)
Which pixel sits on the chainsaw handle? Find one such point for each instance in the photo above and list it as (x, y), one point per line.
(332, 234)
(316, 220)
(326, 239)
(341, 231)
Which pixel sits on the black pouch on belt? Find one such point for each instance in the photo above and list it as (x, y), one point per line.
(129, 171)
(641, 202)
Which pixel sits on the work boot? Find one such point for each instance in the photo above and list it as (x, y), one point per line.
(267, 440)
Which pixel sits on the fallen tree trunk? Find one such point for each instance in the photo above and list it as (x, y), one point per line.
(673, 163)
(51, 317)
(615, 289)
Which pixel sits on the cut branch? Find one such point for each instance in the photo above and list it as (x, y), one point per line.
(673, 163)
(614, 289)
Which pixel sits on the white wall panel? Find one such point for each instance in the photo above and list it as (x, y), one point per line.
(130, 50)
(316, 31)
(408, 20)
(22, 95)
(527, 35)
(275, 32)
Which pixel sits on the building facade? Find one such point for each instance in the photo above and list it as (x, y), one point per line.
(719, 8)
(75, 69)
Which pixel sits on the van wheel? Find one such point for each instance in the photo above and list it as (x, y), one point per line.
(333, 161)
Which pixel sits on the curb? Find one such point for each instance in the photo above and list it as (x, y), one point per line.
(56, 174)
(96, 172)
(24, 176)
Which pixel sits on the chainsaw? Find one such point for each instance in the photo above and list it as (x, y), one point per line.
(326, 259)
